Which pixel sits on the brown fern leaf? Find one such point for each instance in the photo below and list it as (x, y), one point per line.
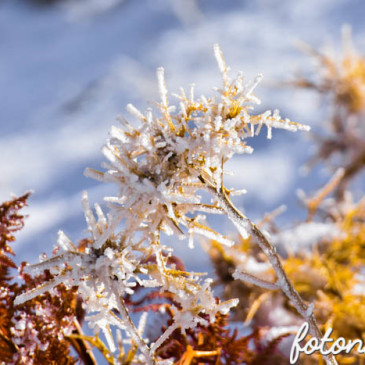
(34, 332)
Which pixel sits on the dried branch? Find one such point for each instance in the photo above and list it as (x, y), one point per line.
(243, 224)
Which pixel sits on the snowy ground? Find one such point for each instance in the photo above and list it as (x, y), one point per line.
(67, 69)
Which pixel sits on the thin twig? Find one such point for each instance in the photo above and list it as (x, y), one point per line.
(314, 203)
(243, 223)
(143, 347)
(81, 346)
(251, 279)
(350, 171)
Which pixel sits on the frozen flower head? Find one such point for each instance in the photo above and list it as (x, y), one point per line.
(158, 165)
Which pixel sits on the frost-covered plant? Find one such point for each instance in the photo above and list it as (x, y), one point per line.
(38, 331)
(161, 168)
(326, 267)
(323, 255)
(341, 80)
(334, 270)
(103, 275)
(229, 348)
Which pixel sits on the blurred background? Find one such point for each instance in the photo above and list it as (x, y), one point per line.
(68, 67)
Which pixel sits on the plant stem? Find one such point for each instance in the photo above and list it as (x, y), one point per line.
(136, 336)
(81, 346)
(242, 223)
(356, 165)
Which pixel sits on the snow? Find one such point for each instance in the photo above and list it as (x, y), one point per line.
(306, 235)
(64, 79)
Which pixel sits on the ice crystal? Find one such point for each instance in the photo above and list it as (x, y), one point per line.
(157, 165)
